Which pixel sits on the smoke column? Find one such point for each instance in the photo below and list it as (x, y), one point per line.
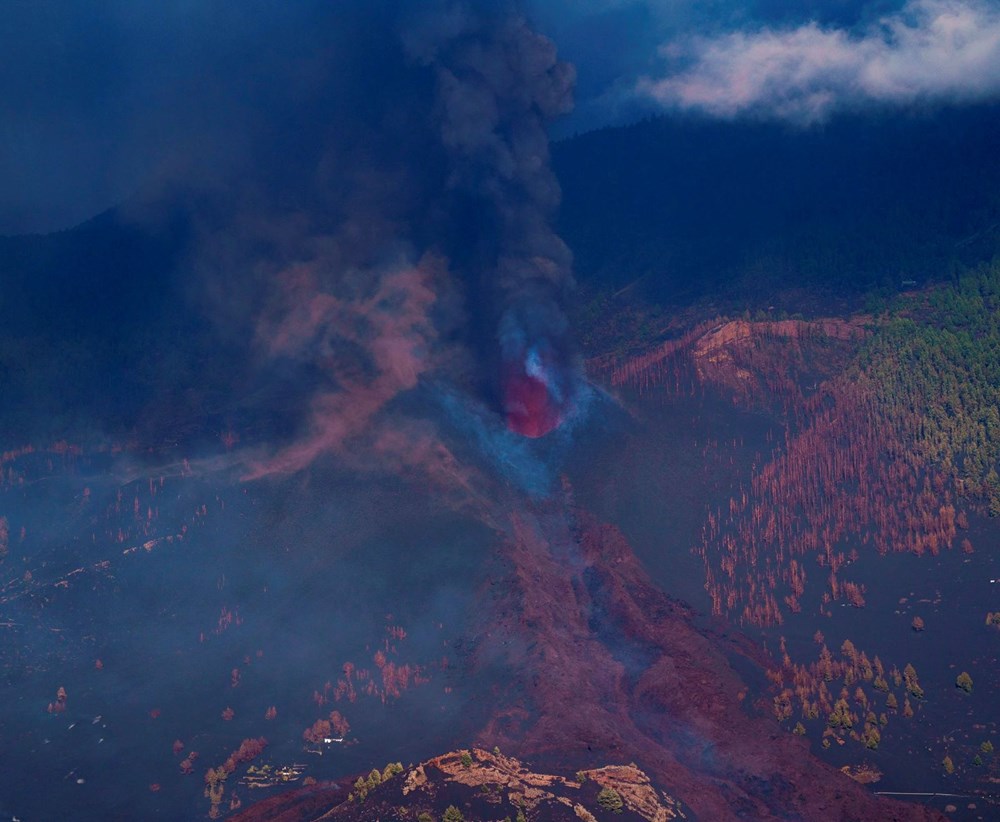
(391, 234)
(498, 84)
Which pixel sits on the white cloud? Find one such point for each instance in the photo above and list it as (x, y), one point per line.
(941, 50)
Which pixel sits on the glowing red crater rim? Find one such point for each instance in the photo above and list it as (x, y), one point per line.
(530, 408)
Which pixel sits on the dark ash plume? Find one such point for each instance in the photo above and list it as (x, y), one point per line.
(388, 179)
(498, 84)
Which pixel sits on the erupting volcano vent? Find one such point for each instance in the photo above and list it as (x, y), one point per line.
(539, 373)
(532, 398)
(499, 84)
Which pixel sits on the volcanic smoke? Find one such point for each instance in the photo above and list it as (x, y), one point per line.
(499, 83)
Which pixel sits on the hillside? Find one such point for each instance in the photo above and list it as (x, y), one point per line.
(738, 213)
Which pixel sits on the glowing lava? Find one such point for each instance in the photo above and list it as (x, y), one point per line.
(532, 403)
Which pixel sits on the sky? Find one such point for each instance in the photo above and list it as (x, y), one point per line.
(97, 99)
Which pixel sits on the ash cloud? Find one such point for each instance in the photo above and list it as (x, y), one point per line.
(499, 83)
(355, 199)
(392, 234)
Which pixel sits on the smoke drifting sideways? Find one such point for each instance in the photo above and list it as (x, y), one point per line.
(392, 234)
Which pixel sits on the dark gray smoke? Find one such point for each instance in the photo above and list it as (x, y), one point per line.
(499, 84)
(396, 228)
(354, 200)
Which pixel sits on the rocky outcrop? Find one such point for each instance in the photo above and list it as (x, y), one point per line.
(483, 785)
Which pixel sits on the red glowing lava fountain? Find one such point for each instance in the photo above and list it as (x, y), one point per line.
(533, 401)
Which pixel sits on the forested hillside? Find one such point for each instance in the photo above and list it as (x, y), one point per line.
(936, 364)
(739, 212)
(892, 437)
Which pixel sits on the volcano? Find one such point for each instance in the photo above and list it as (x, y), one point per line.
(372, 462)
